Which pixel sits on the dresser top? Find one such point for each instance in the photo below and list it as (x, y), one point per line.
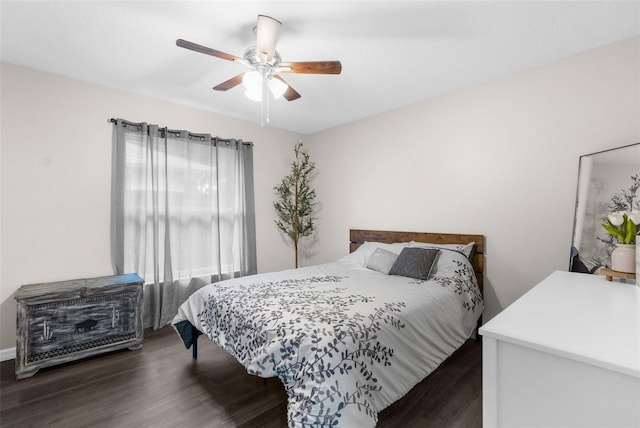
(577, 316)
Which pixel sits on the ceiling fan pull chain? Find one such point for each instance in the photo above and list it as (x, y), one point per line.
(264, 104)
(266, 95)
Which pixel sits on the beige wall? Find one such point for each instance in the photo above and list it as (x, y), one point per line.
(56, 172)
(498, 159)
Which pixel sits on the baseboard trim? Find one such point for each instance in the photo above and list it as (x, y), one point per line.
(8, 354)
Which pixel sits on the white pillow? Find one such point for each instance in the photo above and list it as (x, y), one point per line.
(450, 259)
(363, 253)
(382, 260)
(466, 249)
(449, 262)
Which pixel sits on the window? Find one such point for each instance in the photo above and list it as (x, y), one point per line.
(183, 208)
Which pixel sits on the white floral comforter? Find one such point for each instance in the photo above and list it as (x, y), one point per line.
(345, 341)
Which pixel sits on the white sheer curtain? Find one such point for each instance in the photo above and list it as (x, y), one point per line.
(182, 212)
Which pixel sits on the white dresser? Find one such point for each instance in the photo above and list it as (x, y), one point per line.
(566, 354)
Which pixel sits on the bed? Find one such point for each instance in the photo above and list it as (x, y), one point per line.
(347, 338)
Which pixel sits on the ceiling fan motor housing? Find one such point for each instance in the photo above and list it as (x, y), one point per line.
(259, 62)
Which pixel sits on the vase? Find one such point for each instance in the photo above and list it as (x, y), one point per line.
(623, 258)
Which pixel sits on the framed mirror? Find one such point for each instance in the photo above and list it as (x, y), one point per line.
(608, 181)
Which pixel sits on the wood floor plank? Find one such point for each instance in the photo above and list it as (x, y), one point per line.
(161, 386)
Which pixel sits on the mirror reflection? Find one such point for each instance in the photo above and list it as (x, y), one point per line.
(608, 182)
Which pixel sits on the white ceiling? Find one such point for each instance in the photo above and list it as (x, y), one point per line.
(393, 53)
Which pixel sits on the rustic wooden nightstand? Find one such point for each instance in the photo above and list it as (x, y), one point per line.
(64, 321)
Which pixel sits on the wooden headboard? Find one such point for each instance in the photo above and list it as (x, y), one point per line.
(358, 236)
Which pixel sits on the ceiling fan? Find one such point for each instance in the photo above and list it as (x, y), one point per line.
(265, 64)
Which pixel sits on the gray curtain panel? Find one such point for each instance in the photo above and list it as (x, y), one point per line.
(183, 212)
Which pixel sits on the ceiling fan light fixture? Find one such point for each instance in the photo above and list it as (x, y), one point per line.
(253, 95)
(252, 82)
(277, 87)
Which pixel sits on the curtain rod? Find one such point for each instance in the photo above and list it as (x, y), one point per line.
(224, 140)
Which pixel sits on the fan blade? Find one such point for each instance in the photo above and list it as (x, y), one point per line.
(205, 50)
(311, 67)
(268, 31)
(290, 94)
(231, 83)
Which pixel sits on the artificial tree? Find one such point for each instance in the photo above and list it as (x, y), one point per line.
(296, 199)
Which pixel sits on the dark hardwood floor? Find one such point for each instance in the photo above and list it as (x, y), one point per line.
(161, 386)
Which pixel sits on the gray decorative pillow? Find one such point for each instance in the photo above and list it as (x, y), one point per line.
(415, 262)
(382, 260)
